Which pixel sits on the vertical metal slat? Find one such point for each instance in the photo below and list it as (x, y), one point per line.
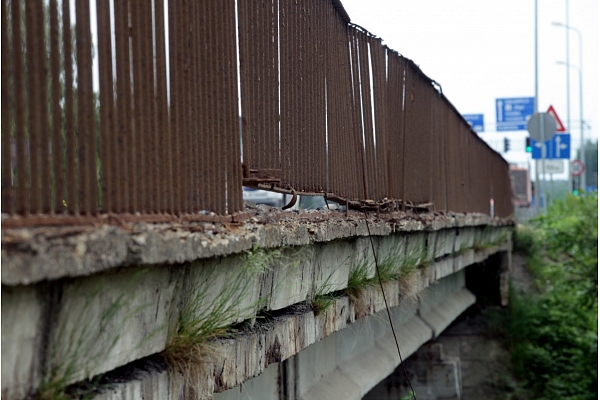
(7, 115)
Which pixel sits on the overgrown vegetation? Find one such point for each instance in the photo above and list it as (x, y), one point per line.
(358, 280)
(398, 265)
(324, 295)
(85, 339)
(211, 307)
(526, 240)
(552, 333)
(322, 301)
(391, 265)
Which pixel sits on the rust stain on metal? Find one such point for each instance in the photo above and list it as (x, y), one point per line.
(169, 138)
(7, 56)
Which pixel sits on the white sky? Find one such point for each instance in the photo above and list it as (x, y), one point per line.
(482, 50)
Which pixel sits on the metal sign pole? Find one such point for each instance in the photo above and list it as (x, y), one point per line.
(537, 189)
(542, 182)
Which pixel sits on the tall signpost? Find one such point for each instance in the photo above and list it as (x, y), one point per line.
(541, 126)
(559, 128)
(548, 141)
(512, 114)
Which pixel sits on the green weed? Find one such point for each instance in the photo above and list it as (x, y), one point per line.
(83, 341)
(390, 266)
(321, 302)
(323, 296)
(359, 279)
(208, 313)
(462, 250)
(409, 396)
(415, 258)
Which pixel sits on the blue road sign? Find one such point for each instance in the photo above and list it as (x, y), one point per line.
(475, 120)
(512, 114)
(559, 147)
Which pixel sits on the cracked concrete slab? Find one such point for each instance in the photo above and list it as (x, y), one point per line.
(31, 255)
(143, 300)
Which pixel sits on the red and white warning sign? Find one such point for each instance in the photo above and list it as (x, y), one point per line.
(559, 125)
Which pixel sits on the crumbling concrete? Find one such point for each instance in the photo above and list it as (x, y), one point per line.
(329, 355)
(128, 286)
(38, 254)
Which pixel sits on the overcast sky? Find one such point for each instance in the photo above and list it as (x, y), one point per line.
(482, 50)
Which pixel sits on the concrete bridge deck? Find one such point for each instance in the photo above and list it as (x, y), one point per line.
(114, 310)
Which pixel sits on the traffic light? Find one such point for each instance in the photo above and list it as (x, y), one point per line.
(528, 144)
(506, 145)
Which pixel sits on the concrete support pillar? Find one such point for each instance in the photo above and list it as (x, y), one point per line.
(433, 375)
(505, 267)
(488, 281)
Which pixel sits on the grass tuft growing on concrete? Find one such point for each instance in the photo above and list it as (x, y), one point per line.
(358, 280)
(83, 340)
(209, 310)
(415, 263)
(411, 287)
(415, 258)
(321, 302)
(323, 296)
(390, 266)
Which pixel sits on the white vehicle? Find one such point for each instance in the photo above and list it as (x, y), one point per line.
(274, 199)
(259, 196)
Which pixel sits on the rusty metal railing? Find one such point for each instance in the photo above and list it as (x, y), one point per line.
(157, 109)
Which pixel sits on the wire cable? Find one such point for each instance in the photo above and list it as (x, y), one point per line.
(387, 307)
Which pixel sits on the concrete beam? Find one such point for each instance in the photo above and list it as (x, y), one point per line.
(350, 362)
(327, 351)
(123, 314)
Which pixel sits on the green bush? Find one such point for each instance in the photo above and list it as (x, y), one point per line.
(526, 240)
(570, 245)
(554, 346)
(553, 334)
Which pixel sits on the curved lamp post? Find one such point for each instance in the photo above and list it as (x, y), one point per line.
(579, 69)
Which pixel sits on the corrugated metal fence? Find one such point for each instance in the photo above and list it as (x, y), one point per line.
(150, 107)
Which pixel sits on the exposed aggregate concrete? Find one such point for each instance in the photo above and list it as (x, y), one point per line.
(31, 255)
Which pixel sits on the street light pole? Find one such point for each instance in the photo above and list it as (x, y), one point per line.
(536, 104)
(582, 148)
(580, 69)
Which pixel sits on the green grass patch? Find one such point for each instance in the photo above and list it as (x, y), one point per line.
(85, 339)
(462, 250)
(414, 259)
(391, 264)
(208, 313)
(321, 302)
(323, 296)
(391, 267)
(358, 280)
